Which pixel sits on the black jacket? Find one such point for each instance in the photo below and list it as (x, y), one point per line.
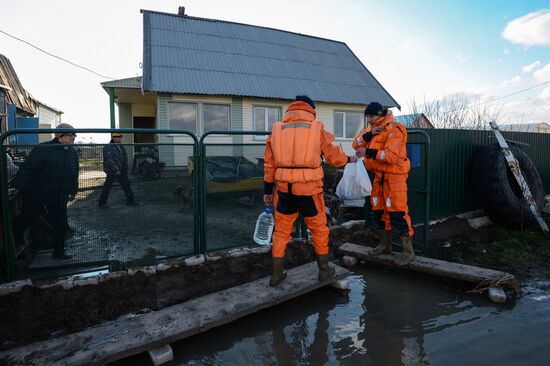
(51, 168)
(115, 159)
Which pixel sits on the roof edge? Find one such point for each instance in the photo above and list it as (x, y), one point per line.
(237, 23)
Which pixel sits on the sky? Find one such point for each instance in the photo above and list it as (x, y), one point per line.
(422, 50)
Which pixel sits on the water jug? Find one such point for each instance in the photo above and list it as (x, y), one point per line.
(264, 227)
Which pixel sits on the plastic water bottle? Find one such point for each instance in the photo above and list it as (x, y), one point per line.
(264, 227)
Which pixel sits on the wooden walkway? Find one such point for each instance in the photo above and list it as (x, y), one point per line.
(437, 267)
(132, 335)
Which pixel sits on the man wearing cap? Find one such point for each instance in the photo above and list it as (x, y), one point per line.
(48, 178)
(293, 165)
(115, 165)
(384, 145)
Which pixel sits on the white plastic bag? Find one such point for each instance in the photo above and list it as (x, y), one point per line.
(355, 182)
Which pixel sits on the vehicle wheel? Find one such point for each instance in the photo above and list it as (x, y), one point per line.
(497, 189)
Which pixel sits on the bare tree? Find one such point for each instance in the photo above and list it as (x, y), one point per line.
(457, 112)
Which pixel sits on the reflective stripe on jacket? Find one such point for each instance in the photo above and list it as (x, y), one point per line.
(309, 180)
(391, 145)
(297, 151)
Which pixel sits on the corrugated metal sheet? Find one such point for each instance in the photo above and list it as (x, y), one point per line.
(191, 55)
(450, 159)
(17, 95)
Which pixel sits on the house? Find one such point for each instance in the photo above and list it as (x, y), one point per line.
(204, 74)
(48, 117)
(540, 127)
(416, 120)
(22, 110)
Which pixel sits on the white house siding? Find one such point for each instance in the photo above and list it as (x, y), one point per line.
(125, 121)
(47, 118)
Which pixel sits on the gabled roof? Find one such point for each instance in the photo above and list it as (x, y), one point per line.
(190, 55)
(407, 119)
(17, 94)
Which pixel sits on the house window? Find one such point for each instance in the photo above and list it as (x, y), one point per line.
(216, 117)
(182, 116)
(347, 124)
(264, 118)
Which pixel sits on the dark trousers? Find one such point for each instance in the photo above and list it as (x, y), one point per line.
(56, 207)
(124, 183)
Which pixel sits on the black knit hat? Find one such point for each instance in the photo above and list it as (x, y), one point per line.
(305, 98)
(375, 109)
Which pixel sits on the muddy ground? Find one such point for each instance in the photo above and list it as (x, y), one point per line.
(34, 313)
(525, 254)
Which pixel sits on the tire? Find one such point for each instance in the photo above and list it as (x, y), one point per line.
(496, 187)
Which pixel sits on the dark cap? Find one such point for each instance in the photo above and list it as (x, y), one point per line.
(306, 99)
(374, 109)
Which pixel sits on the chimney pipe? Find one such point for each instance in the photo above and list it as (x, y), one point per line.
(181, 11)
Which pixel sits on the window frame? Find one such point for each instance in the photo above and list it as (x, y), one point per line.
(266, 122)
(202, 104)
(345, 112)
(197, 117)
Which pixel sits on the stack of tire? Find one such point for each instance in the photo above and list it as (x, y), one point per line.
(497, 189)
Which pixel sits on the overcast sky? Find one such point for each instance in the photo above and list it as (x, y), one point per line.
(422, 49)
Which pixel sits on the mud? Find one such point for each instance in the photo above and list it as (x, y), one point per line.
(40, 313)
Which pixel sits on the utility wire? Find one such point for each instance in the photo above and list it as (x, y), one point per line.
(490, 101)
(58, 57)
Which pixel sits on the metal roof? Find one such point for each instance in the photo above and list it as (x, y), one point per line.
(16, 94)
(190, 55)
(128, 83)
(407, 119)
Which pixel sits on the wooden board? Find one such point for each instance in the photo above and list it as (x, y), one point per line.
(427, 265)
(131, 335)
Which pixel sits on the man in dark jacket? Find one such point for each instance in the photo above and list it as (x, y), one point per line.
(115, 165)
(48, 178)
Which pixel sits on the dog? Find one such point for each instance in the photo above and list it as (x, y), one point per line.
(185, 194)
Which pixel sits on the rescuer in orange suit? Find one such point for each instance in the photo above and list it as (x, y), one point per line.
(292, 162)
(384, 145)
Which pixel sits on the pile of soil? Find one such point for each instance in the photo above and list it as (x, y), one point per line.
(34, 313)
(525, 254)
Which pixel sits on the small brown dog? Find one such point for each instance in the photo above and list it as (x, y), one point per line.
(186, 196)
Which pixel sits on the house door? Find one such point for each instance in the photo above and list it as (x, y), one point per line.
(144, 122)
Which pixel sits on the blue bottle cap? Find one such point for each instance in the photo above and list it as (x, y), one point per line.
(268, 209)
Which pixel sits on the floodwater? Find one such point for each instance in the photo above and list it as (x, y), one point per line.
(388, 318)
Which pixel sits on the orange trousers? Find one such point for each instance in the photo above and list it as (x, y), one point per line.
(389, 203)
(287, 208)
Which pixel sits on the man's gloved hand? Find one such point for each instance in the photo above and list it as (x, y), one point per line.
(371, 153)
(360, 152)
(268, 199)
(352, 159)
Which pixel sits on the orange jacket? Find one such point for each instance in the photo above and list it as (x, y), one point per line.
(294, 148)
(391, 145)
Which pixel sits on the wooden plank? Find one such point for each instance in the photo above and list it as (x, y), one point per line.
(131, 335)
(427, 265)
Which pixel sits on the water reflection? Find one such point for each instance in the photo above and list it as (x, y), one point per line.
(388, 319)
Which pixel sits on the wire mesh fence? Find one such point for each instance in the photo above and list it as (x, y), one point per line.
(86, 205)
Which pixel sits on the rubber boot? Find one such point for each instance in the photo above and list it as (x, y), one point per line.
(279, 273)
(407, 256)
(326, 271)
(384, 246)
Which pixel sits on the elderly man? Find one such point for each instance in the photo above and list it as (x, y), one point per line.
(48, 178)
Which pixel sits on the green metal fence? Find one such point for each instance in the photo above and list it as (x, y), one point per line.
(450, 160)
(186, 210)
(163, 224)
